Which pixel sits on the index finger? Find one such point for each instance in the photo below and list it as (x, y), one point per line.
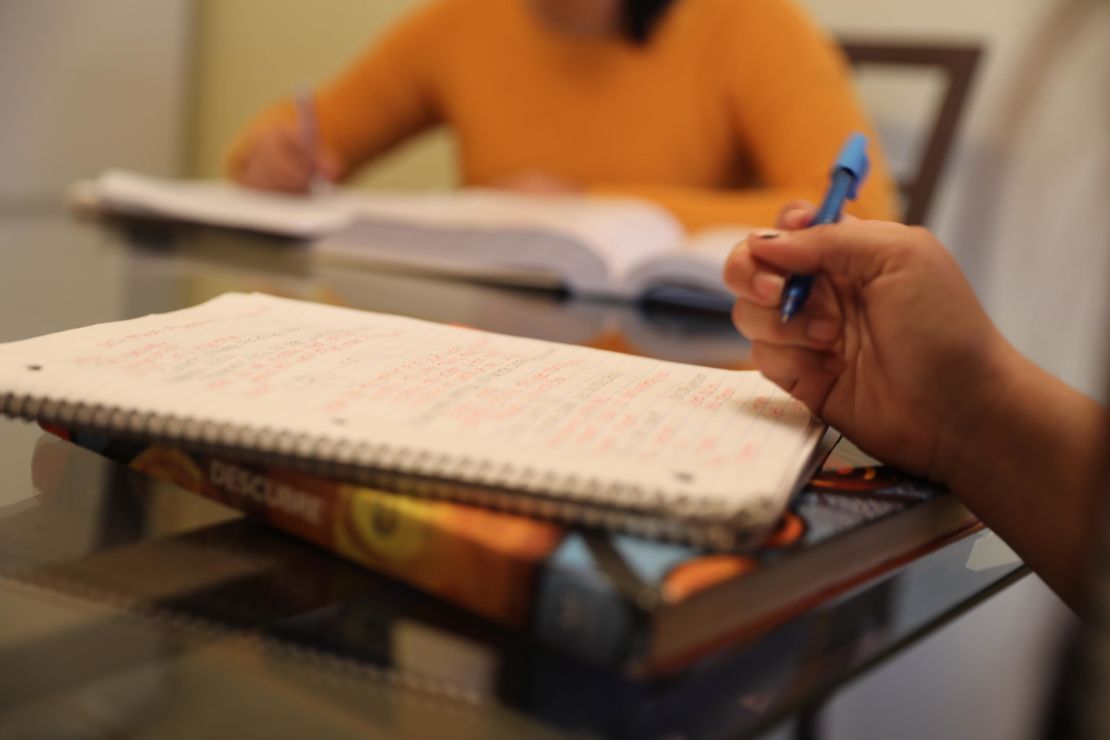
(751, 279)
(854, 249)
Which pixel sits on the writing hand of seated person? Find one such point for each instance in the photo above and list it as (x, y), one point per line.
(278, 158)
(892, 347)
(536, 182)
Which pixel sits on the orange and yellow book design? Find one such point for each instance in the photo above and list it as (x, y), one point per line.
(484, 561)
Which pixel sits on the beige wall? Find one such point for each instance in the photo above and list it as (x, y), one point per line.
(252, 52)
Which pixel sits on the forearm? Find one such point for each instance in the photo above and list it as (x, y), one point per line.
(1027, 460)
(702, 208)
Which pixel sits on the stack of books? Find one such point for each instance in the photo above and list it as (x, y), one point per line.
(636, 513)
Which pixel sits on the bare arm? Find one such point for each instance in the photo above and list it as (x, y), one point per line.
(1027, 458)
(700, 208)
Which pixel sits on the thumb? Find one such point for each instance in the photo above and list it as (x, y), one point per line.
(854, 249)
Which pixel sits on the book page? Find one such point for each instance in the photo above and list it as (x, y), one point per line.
(698, 265)
(445, 394)
(716, 243)
(591, 243)
(222, 204)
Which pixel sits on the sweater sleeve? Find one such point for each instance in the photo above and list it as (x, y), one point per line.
(384, 97)
(792, 104)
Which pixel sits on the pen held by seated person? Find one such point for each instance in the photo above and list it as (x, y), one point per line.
(848, 173)
(309, 124)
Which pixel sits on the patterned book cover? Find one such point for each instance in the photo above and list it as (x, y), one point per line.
(591, 593)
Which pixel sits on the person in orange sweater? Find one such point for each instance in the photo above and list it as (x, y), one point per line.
(719, 110)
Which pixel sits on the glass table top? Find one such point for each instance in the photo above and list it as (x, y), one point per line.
(130, 608)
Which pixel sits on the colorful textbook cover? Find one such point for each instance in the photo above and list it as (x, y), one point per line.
(645, 606)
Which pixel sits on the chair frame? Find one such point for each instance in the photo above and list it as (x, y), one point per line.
(959, 62)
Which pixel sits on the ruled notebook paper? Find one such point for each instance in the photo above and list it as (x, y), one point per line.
(255, 371)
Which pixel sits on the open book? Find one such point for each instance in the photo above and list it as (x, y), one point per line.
(570, 433)
(613, 248)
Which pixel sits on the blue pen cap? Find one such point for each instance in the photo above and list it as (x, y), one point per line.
(853, 159)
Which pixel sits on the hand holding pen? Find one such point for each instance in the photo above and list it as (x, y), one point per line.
(289, 154)
(892, 340)
(309, 124)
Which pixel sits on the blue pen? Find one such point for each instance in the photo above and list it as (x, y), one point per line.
(847, 175)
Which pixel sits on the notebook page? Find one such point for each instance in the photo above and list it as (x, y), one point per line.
(723, 436)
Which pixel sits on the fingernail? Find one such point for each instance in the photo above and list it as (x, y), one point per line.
(766, 234)
(768, 285)
(823, 330)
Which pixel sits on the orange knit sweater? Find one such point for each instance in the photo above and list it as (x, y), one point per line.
(733, 108)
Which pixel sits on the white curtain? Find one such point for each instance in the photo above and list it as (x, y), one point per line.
(1032, 223)
(89, 85)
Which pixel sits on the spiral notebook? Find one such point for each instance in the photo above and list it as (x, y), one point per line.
(569, 433)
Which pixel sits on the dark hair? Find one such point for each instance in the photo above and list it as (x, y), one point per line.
(641, 17)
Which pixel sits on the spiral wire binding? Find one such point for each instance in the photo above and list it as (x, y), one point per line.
(654, 512)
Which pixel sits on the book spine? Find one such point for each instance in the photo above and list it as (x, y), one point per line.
(482, 561)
